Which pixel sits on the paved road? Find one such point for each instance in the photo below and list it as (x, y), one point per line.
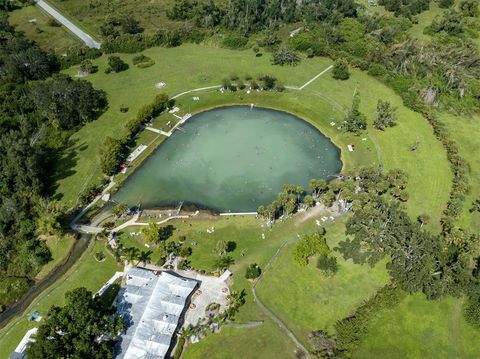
(87, 39)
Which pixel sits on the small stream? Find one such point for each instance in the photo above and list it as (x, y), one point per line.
(77, 250)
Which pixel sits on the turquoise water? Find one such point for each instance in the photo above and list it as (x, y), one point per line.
(232, 159)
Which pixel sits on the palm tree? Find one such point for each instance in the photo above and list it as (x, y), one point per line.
(144, 256)
(132, 253)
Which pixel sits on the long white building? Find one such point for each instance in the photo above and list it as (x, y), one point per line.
(151, 304)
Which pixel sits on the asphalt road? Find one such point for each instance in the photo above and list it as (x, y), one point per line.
(87, 39)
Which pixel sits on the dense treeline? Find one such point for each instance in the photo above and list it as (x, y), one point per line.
(36, 113)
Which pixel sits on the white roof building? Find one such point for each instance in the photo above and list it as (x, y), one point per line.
(151, 305)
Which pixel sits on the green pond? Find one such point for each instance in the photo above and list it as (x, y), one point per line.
(232, 159)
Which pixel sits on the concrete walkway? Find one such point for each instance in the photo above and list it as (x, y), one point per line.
(316, 77)
(156, 130)
(134, 219)
(87, 39)
(109, 283)
(95, 200)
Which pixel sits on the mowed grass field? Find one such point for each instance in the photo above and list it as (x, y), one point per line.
(429, 175)
(419, 328)
(306, 299)
(87, 272)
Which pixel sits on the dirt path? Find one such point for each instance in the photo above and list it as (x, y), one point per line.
(268, 311)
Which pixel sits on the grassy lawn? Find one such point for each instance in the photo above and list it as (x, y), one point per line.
(87, 272)
(60, 249)
(428, 170)
(264, 341)
(306, 300)
(56, 39)
(418, 328)
(466, 133)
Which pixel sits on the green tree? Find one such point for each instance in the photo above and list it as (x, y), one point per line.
(317, 186)
(152, 233)
(385, 115)
(116, 64)
(253, 271)
(310, 245)
(469, 7)
(119, 209)
(49, 215)
(355, 121)
(68, 103)
(340, 69)
(110, 155)
(224, 262)
(445, 4)
(83, 328)
(88, 67)
(423, 219)
(132, 254)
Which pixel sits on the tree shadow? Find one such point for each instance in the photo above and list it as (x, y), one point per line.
(166, 232)
(231, 246)
(61, 164)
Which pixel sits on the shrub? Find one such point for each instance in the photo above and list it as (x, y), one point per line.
(285, 56)
(99, 256)
(472, 311)
(88, 67)
(76, 54)
(53, 22)
(268, 82)
(140, 58)
(340, 70)
(253, 271)
(144, 65)
(117, 64)
(234, 41)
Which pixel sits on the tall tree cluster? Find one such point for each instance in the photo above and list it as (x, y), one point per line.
(84, 327)
(35, 112)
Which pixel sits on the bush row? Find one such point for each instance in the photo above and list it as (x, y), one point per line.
(352, 329)
(131, 43)
(459, 167)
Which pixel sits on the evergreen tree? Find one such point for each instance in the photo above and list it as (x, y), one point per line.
(385, 115)
(355, 121)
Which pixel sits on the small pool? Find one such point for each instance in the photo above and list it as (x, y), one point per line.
(232, 159)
